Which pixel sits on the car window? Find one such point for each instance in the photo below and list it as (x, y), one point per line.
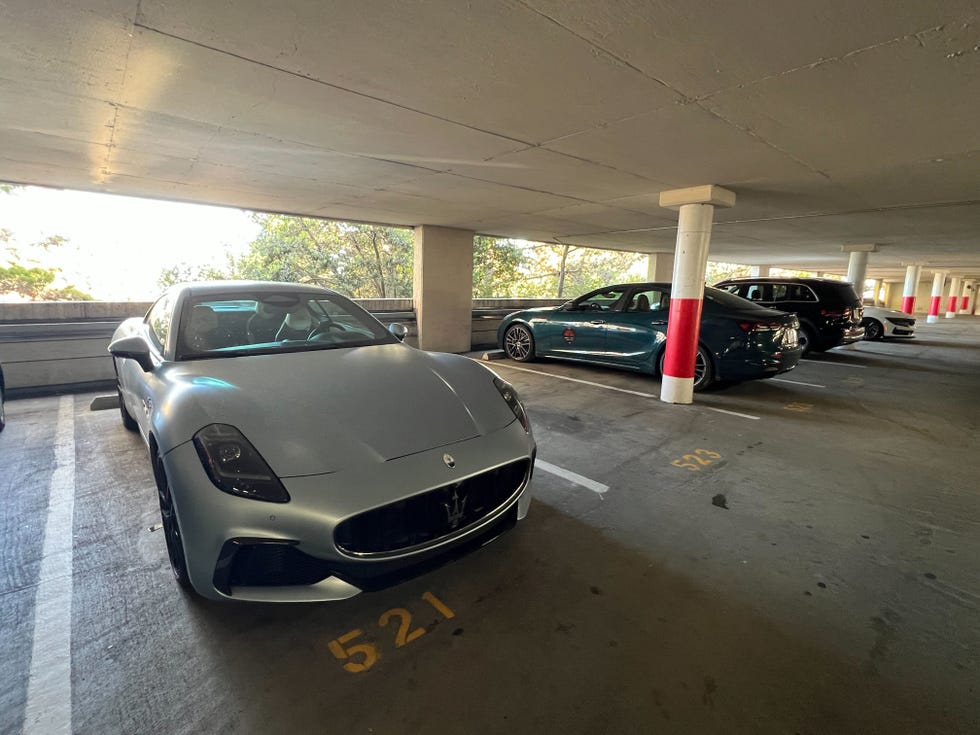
(650, 299)
(728, 300)
(758, 292)
(792, 292)
(215, 326)
(158, 320)
(605, 300)
(731, 287)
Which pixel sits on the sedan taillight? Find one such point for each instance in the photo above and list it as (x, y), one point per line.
(759, 326)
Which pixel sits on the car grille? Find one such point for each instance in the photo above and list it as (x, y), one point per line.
(901, 322)
(425, 518)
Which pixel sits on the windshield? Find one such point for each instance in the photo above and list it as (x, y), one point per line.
(216, 325)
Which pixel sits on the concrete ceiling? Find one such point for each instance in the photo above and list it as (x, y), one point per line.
(836, 122)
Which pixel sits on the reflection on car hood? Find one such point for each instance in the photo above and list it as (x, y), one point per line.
(321, 411)
(882, 313)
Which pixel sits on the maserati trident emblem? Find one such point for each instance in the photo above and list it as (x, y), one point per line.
(448, 459)
(454, 512)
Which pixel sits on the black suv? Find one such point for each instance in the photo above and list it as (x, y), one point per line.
(830, 311)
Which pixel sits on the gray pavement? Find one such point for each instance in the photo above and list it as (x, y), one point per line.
(808, 566)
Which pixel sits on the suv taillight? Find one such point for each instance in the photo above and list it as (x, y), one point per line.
(831, 312)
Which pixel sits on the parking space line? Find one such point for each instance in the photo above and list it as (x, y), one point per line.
(596, 487)
(796, 382)
(835, 364)
(578, 380)
(732, 413)
(48, 708)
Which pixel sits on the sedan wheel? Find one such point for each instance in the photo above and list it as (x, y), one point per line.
(171, 528)
(704, 374)
(519, 343)
(874, 330)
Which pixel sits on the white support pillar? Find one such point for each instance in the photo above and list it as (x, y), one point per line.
(857, 265)
(912, 274)
(954, 298)
(759, 271)
(968, 290)
(938, 281)
(443, 288)
(660, 267)
(696, 206)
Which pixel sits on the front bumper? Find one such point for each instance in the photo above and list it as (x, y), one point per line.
(898, 330)
(218, 527)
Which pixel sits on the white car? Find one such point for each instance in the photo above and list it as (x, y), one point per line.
(879, 323)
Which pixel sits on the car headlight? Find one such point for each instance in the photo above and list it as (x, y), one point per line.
(509, 395)
(235, 466)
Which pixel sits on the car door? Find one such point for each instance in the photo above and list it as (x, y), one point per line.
(137, 386)
(578, 330)
(635, 336)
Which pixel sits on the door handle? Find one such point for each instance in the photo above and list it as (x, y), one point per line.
(598, 321)
(660, 323)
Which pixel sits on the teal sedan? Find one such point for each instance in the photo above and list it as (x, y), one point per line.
(625, 326)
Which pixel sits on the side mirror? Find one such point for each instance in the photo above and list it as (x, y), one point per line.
(399, 331)
(567, 306)
(133, 348)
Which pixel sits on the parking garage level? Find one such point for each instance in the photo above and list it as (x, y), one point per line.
(792, 555)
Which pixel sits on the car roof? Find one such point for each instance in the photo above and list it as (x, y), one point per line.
(779, 279)
(204, 288)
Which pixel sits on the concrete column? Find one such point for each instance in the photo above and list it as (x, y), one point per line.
(857, 265)
(938, 281)
(760, 271)
(954, 298)
(696, 206)
(912, 274)
(660, 267)
(875, 291)
(443, 288)
(968, 289)
(887, 298)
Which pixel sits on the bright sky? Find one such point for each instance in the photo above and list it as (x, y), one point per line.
(119, 245)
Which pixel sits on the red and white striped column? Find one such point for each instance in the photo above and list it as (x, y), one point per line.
(938, 281)
(954, 298)
(696, 205)
(912, 274)
(965, 298)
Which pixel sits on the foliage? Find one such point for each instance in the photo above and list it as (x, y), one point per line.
(361, 261)
(717, 271)
(496, 267)
(569, 270)
(183, 272)
(25, 277)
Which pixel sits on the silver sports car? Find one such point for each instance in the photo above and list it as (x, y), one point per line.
(302, 452)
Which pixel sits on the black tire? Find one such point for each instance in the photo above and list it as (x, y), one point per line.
(171, 528)
(704, 371)
(808, 340)
(519, 343)
(874, 330)
(127, 420)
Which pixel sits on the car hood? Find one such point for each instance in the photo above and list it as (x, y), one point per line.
(880, 312)
(321, 411)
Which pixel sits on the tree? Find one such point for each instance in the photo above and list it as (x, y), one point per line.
(24, 276)
(571, 270)
(496, 267)
(362, 261)
(185, 272)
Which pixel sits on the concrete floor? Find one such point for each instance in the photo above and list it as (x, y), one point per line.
(819, 575)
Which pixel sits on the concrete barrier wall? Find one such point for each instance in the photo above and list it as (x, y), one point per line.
(61, 346)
